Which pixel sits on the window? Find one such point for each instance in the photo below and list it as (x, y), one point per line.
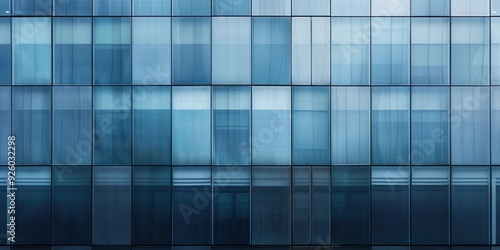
(495, 126)
(230, 7)
(390, 8)
(72, 7)
(350, 7)
(470, 7)
(151, 8)
(495, 50)
(5, 52)
(271, 7)
(32, 7)
(495, 204)
(430, 7)
(112, 7)
(495, 7)
(5, 126)
(5, 8)
(311, 7)
(191, 7)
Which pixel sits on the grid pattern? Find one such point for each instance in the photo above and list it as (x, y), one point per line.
(198, 124)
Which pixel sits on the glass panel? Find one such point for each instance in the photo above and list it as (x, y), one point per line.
(271, 205)
(191, 50)
(311, 125)
(430, 203)
(271, 7)
(71, 211)
(111, 205)
(351, 205)
(320, 205)
(72, 50)
(112, 138)
(350, 7)
(350, 125)
(31, 125)
(72, 7)
(112, 7)
(230, 7)
(495, 126)
(5, 52)
(231, 50)
(72, 125)
(470, 207)
(470, 125)
(430, 134)
(191, 7)
(271, 125)
(5, 125)
(301, 205)
(430, 7)
(271, 50)
(231, 125)
(390, 8)
(5, 8)
(391, 125)
(311, 7)
(430, 50)
(112, 62)
(31, 50)
(391, 205)
(152, 125)
(390, 52)
(350, 51)
(32, 7)
(151, 50)
(495, 50)
(495, 206)
(191, 126)
(151, 8)
(470, 7)
(470, 51)
(495, 7)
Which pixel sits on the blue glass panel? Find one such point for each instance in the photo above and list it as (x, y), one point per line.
(230, 7)
(470, 7)
(191, 8)
(151, 8)
(5, 8)
(5, 52)
(390, 8)
(430, 7)
(495, 50)
(271, 7)
(5, 111)
(311, 7)
(32, 7)
(495, 126)
(350, 7)
(112, 7)
(73, 7)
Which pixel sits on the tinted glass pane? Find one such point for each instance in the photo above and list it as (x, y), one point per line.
(5, 52)
(5, 113)
(32, 7)
(191, 7)
(271, 7)
(430, 7)
(112, 7)
(230, 7)
(73, 7)
(311, 7)
(151, 7)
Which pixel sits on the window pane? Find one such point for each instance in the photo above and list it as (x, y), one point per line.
(430, 202)
(32, 7)
(152, 125)
(151, 50)
(350, 53)
(112, 137)
(191, 126)
(390, 8)
(191, 197)
(391, 205)
(350, 7)
(470, 7)
(151, 203)
(72, 50)
(311, 7)
(191, 50)
(391, 125)
(231, 46)
(73, 7)
(271, 7)
(430, 50)
(5, 111)
(271, 125)
(495, 126)
(470, 125)
(112, 7)
(72, 125)
(111, 205)
(230, 7)
(301, 200)
(351, 205)
(430, 125)
(495, 205)
(311, 125)
(32, 53)
(112, 50)
(5, 8)
(231, 125)
(390, 56)
(430, 7)
(71, 194)
(271, 205)
(31, 124)
(191, 7)
(231, 205)
(470, 51)
(320, 205)
(495, 50)
(350, 125)
(470, 207)
(151, 8)
(5, 54)
(495, 7)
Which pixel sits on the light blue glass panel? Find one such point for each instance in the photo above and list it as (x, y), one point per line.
(320, 40)
(430, 54)
(31, 125)
(495, 126)
(112, 125)
(72, 125)
(151, 8)
(430, 7)
(311, 126)
(430, 135)
(230, 7)
(32, 7)
(191, 126)
(495, 7)
(350, 125)
(111, 7)
(271, 50)
(470, 7)
(271, 7)
(112, 62)
(391, 125)
(191, 50)
(191, 8)
(470, 51)
(32, 51)
(350, 57)
(231, 125)
(72, 7)
(391, 51)
(152, 125)
(386, 8)
(111, 205)
(495, 50)
(350, 7)
(311, 7)
(470, 125)
(271, 125)
(5, 52)
(151, 50)
(231, 50)
(72, 50)
(5, 109)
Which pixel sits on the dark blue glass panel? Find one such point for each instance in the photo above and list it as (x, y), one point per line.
(5, 8)
(73, 7)
(5, 111)
(32, 7)
(5, 52)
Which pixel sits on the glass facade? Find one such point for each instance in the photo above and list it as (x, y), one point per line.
(252, 124)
